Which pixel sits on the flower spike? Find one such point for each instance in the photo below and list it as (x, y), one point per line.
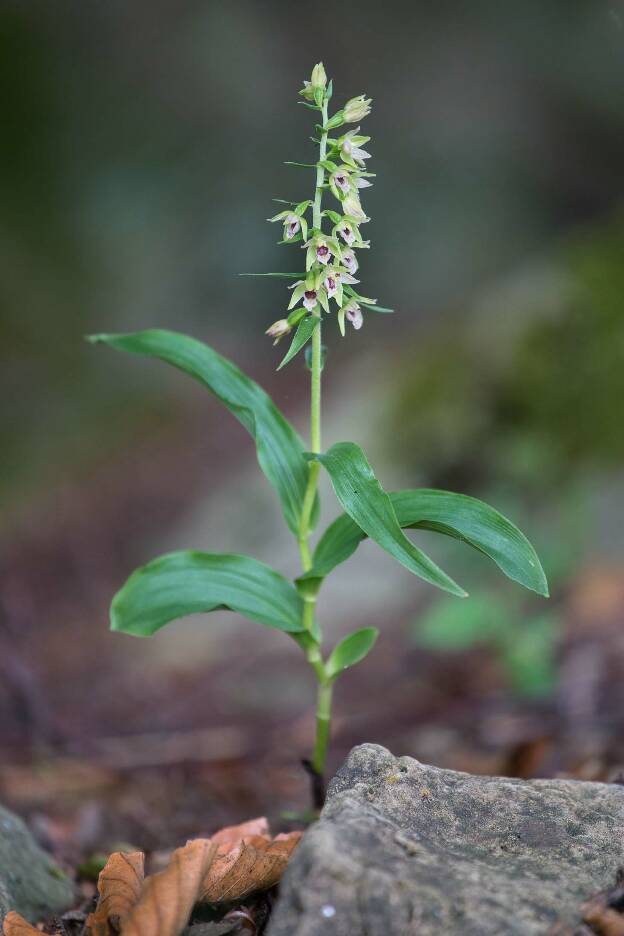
(331, 262)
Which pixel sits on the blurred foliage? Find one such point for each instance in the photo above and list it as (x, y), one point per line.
(522, 397)
(536, 402)
(525, 643)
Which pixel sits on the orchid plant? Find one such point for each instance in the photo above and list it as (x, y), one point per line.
(186, 582)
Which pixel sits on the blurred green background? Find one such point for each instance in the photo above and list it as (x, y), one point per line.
(141, 146)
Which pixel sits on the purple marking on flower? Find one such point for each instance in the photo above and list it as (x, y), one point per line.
(323, 254)
(347, 234)
(342, 181)
(292, 225)
(349, 260)
(331, 285)
(309, 299)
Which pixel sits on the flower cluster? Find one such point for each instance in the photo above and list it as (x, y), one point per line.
(331, 263)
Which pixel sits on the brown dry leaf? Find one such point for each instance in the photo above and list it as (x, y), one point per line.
(238, 833)
(602, 918)
(120, 883)
(16, 925)
(168, 897)
(256, 863)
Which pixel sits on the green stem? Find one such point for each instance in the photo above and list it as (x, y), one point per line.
(323, 717)
(315, 394)
(323, 711)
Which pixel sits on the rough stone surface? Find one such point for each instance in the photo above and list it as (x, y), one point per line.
(30, 882)
(403, 848)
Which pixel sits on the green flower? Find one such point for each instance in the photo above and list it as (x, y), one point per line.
(350, 148)
(352, 312)
(353, 209)
(357, 109)
(293, 223)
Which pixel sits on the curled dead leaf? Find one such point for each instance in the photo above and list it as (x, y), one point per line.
(168, 897)
(602, 918)
(120, 883)
(233, 835)
(16, 925)
(256, 863)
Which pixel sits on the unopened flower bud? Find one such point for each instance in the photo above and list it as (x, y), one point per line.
(278, 330)
(357, 109)
(316, 84)
(318, 78)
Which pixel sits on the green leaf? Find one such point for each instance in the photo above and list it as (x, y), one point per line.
(373, 307)
(289, 162)
(279, 448)
(363, 498)
(183, 583)
(281, 275)
(351, 650)
(464, 518)
(304, 332)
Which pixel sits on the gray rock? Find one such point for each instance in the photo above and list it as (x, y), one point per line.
(30, 882)
(403, 848)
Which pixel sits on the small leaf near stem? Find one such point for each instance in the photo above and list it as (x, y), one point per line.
(303, 334)
(351, 650)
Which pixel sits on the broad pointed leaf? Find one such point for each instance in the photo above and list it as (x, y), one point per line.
(364, 499)
(188, 582)
(279, 447)
(465, 518)
(351, 650)
(304, 332)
